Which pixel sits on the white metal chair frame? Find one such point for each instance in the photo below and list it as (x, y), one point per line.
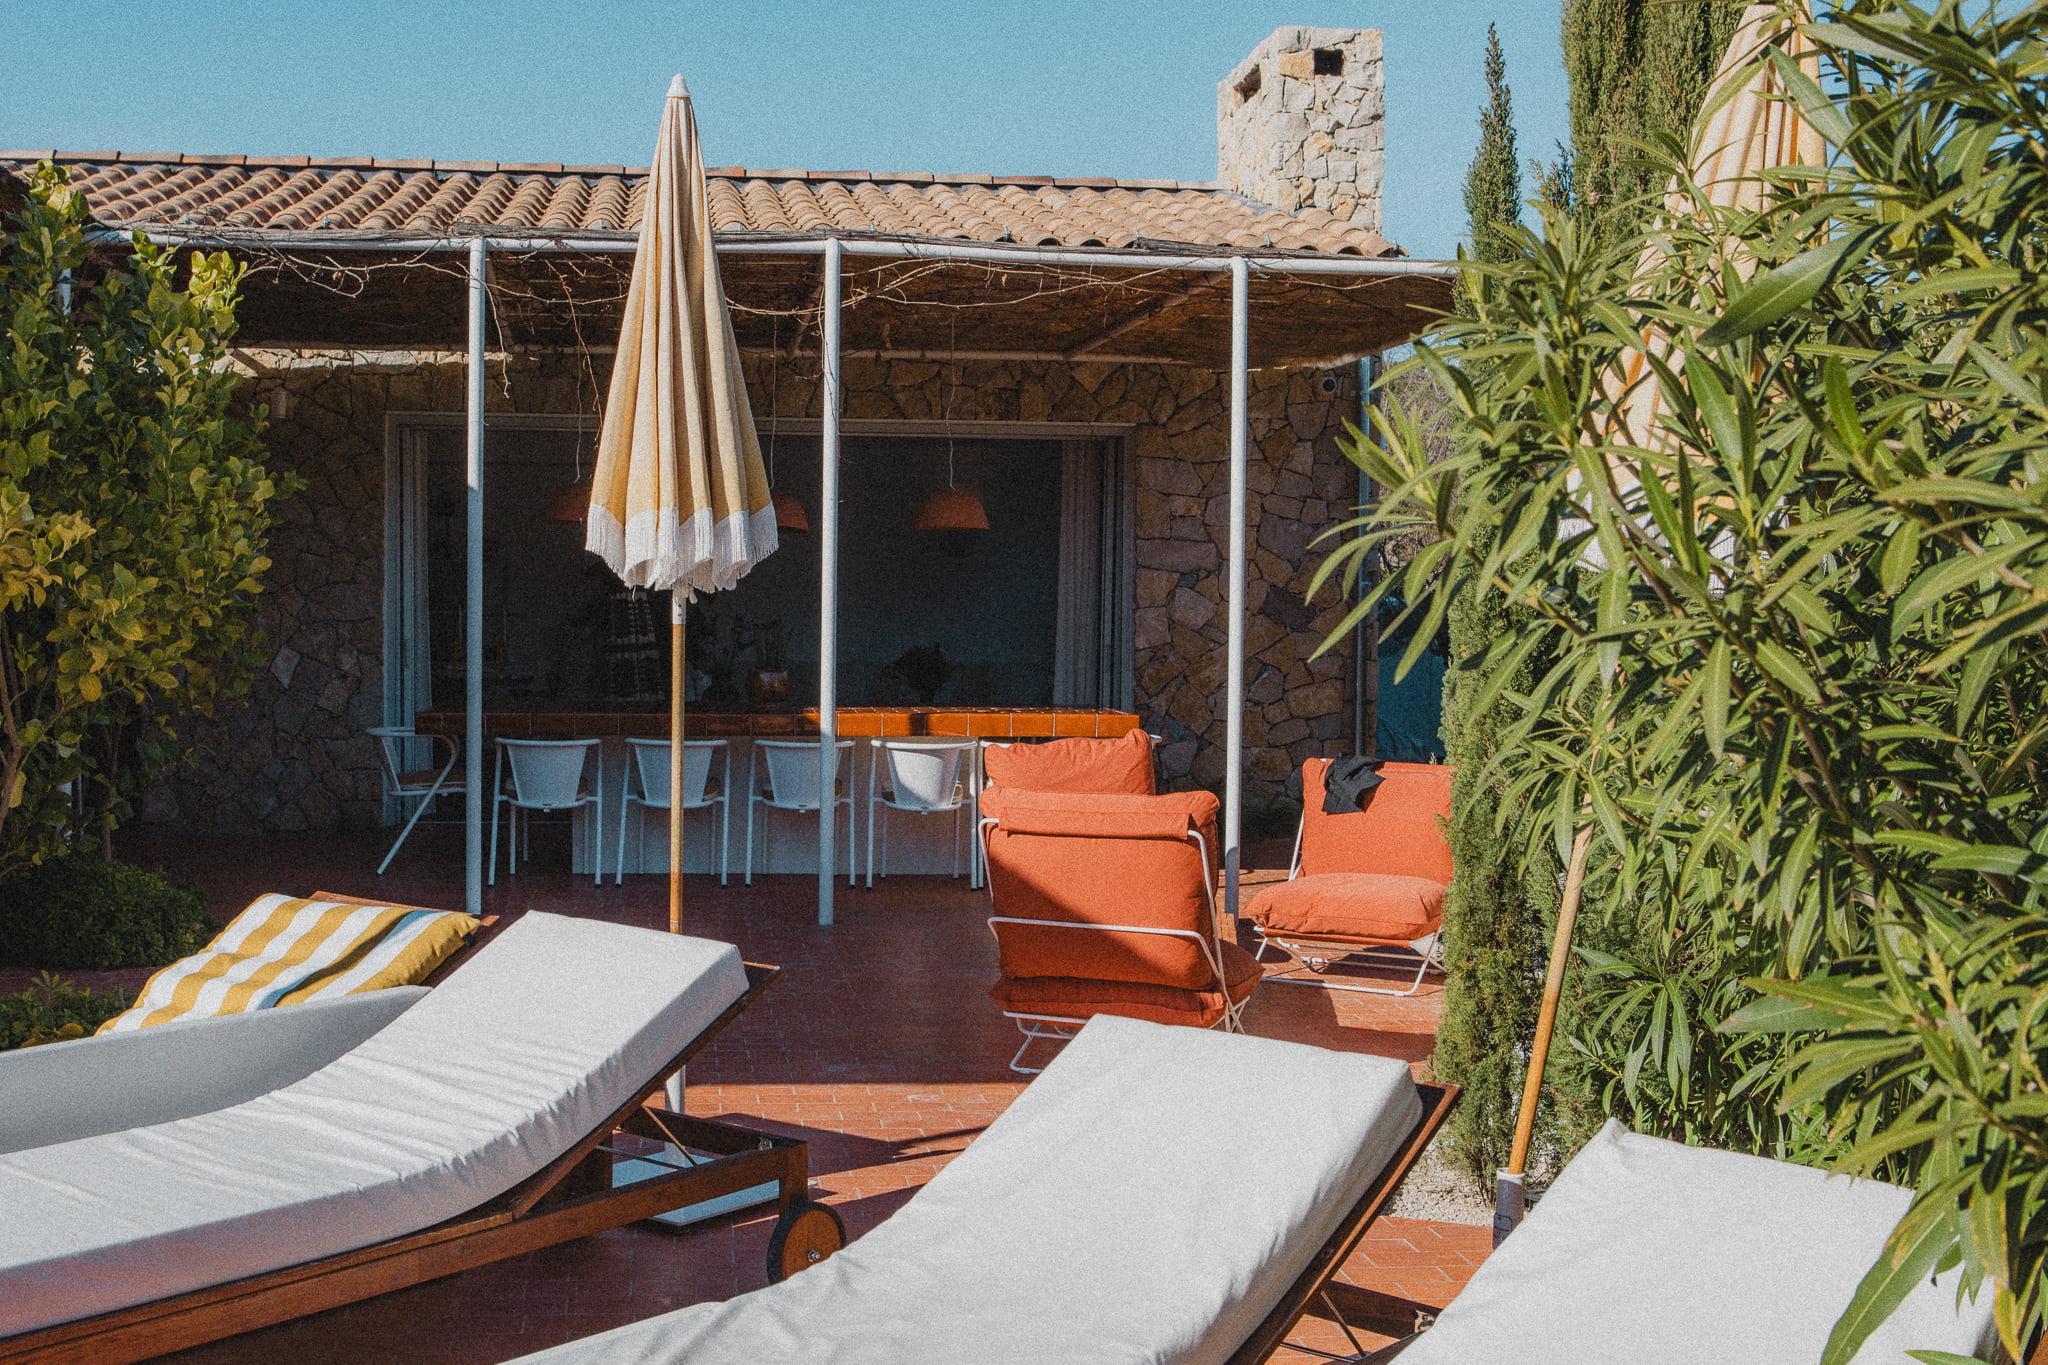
(656, 797)
(757, 797)
(388, 737)
(1062, 1028)
(519, 801)
(1319, 954)
(966, 791)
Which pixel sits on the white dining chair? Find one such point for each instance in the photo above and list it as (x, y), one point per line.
(425, 785)
(547, 776)
(921, 777)
(648, 772)
(791, 766)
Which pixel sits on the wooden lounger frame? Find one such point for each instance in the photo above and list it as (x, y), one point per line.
(570, 1197)
(1314, 1285)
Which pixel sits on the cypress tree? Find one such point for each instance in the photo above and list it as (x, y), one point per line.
(1505, 887)
(1493, 183)
(1638, 70)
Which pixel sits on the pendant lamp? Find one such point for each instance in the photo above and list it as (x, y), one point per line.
(951, 508)
(571, 502)
(789, 513)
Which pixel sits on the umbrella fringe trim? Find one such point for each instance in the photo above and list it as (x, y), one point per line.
(658, 550)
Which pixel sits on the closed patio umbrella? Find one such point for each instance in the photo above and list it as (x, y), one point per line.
(1750, 129)
(679, 500)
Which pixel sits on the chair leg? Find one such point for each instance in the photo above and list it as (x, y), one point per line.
(406, 833)
(852, 862)
(724, 836)
(748, 878)
(874, 814)
(956, 845)
(596, 840)
(492, 880)
(619, 863)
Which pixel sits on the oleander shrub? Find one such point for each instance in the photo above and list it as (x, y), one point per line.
(1797, 645)
(81, 912)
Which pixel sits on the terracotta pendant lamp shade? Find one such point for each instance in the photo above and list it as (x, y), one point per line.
(571, 502)
(951, 509)
(789, 513)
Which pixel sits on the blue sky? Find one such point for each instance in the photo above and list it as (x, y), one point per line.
(945, 85)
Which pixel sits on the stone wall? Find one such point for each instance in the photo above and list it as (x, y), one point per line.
(1301, 123)
(296, 756)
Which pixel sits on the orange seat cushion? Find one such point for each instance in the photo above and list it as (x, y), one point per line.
(1115, 766)
(1366, 907)
(1068, 997)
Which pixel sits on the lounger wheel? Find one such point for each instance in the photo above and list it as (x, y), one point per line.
(805, 1234)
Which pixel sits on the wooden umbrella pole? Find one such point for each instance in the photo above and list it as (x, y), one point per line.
(1510, 1195)
(675, 767)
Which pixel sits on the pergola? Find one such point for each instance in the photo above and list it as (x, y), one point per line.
(480, 286)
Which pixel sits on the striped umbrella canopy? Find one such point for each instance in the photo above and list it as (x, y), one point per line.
(1747, 129)
(679, 500)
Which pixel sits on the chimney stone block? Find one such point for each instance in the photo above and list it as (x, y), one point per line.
(1300, 123)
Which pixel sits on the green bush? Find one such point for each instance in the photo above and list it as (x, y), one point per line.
(1797, 643)
(52, 1010)
(85, 913)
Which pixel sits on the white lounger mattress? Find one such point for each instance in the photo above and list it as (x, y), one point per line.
(1147, 1199)
(523, 1050)
(1646, 1252)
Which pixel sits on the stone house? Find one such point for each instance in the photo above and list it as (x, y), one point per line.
(1103, 387)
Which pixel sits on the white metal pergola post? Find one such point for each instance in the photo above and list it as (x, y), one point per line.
(473, 609)
(828, 585)
(1233, 687)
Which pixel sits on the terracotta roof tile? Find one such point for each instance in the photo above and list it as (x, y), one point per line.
(419, 197)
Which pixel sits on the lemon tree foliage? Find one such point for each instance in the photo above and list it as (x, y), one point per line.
(134, 515)
(1798, 649)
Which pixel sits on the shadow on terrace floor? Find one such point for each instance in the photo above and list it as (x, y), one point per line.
(879, 1042)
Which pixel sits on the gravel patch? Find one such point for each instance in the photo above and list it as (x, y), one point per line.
(1437, 1191)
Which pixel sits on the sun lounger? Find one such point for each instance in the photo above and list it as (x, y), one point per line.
(463, 1129)
(1651, 1253)
(1159, 1194)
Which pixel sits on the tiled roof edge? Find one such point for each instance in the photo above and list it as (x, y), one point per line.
(386, 163)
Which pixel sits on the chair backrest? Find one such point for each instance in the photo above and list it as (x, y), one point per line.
(391, 755)
(547, 772)
(650, 760)
(1091, 859)
(1399, 831)
(922, 775)
(1121, 766)
(793, 769)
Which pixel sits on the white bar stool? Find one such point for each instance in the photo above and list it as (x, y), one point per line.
(547, 775)
(426, 785)
(649, 766)
(792, 766)
(921, 777)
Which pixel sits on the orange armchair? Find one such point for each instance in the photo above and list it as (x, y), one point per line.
(1366, 887)
(1106, 904)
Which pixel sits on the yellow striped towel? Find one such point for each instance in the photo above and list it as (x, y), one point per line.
(283, 950)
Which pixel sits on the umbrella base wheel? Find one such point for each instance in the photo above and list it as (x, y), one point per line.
(805, 1234)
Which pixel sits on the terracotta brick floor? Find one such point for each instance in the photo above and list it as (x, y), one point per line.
(879, 1045)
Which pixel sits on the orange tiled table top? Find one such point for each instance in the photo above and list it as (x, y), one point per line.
(855, 722)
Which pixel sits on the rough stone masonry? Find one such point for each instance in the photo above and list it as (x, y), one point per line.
(1300, 124)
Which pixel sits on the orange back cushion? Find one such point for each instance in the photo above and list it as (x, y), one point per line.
(1399, 832)
(1121, 766)
(1091, 858)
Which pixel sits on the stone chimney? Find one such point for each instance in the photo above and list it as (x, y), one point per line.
(1301, 123)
